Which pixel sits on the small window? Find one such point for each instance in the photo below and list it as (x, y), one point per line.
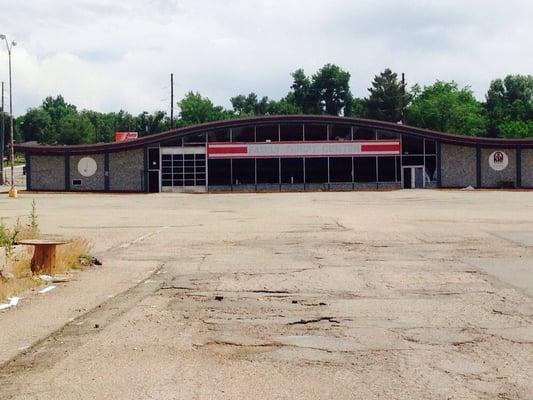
(385, 135)
(76, 182)
(361, 133)
(246, 134)
(222, 135)
(340, 132)
(194, 139)
(267, 133)
(412, 145)
(291, 133)
(316, 133)
(431, 146)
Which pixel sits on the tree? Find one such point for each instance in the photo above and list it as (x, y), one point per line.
(124, 122)
(355, 107)
(509, 105)
(148, 124)
(75, 129)
(515, 129)
(331, 87)
(387, 98)
(446, 108)
(103, 124)
(302, 94)
(36, 125)
(284, 106)
(57, 108)
(249, 105)
(326, 92)
(196, 109)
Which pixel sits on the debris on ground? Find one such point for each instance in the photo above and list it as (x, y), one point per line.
(89, 261)
(55, 278)
(47, 289)
(219, 298)
(13, 301)
(468, 188)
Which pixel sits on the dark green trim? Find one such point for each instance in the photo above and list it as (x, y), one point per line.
(518, 167)
(67, 173)
(106, 172)
(439, 164)
(27, 157)
(478, 166)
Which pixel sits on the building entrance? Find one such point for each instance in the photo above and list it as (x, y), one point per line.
(413, 177)
(183, 169)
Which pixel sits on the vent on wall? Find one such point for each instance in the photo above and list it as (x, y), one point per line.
(76, 182)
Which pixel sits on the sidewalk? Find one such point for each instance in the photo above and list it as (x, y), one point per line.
(39, 315)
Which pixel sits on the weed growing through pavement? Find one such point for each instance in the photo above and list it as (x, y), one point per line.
(15, 273)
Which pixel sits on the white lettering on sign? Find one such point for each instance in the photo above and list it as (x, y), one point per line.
(303, 149)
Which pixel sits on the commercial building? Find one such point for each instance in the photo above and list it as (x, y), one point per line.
(283, 153)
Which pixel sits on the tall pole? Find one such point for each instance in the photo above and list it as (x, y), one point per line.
(171, 101)
(11, 121)
(403, 98)
(9, 46)
(2, 134)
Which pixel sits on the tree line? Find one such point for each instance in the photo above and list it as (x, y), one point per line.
(507, 110)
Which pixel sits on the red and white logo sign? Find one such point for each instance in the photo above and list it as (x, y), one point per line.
(121, 136)
(303, 149)
(498, 161)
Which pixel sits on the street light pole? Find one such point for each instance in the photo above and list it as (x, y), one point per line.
(2, 135)
(9, 47)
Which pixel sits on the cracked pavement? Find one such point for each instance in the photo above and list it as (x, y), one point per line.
(387, 295)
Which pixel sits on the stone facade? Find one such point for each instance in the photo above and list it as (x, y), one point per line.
(458, 166)
(527, 168)
(126, 171)
(47, 173)
(94, 183)
(491, 178)
(125, 174)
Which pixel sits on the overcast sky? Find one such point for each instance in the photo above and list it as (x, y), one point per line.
(112, 54)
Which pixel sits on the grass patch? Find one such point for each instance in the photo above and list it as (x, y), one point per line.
(16, 275)
(73, 255)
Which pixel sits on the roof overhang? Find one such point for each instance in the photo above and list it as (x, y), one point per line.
(273, 119)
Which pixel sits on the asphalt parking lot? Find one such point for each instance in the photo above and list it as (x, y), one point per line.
(360, 295)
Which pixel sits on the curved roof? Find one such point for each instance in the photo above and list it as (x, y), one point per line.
(273, 119)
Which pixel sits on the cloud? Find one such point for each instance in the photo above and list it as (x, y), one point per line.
(108, 55)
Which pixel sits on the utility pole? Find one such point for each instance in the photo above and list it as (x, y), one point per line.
(2, 134)
(403, 99)
(9, 47)
(171, 101)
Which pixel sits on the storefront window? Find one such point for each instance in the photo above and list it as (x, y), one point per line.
(365, 169)
(243, 171)
(340, 169)
(292, 170)
(267, 170)
(316, 170)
